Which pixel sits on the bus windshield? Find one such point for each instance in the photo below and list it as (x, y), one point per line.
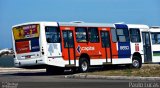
(26, 38)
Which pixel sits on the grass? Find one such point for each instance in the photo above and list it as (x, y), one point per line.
(148, 70)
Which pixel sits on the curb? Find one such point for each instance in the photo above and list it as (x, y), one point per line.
(18, 70)
(113, 77)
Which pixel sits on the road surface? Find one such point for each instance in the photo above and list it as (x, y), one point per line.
(22, 78)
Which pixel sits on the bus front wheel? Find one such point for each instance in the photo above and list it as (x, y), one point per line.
(83, 65)
(136, 62)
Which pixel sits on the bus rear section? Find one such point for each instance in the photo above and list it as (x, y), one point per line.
(26, 45)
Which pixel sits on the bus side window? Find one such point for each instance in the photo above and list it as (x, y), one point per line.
(68, 39)
(158, 38)
(123, 35)
(105, 38)
(153, 35)
(52, 34)
(135, 35)
(93, 34)
(114, 35)
(155, 38)
(81, 34)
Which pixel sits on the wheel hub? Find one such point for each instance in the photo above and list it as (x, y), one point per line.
(136, 63)
(84, 66)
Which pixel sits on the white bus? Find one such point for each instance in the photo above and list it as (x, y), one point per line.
(71, 45)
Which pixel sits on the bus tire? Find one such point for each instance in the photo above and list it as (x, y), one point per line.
(83, 65)
(136, 62)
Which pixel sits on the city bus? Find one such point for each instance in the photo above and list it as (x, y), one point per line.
(81, 45)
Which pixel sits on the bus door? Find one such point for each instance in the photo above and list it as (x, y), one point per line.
(69, 47)
(147, 47)
(124, 48)
(106, 43)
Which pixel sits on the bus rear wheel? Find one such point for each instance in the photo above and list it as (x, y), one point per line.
(83, 65)
(136, 62)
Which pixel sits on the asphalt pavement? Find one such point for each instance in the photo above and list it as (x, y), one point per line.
(29, 78)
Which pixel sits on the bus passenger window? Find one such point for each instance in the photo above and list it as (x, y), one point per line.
(81, 34)
(155, 38)
(105, 39)
(52, 34)
(135, 35)
(68, 39)
(158, 38)
(114, 37)
(93, 34)
(123, 35)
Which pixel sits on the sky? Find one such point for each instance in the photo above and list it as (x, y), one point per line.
(14, 12)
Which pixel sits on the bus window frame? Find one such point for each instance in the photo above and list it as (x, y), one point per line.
(139, 35)
(114, 35)
(108, 40)
(157, 39)
(58, 30)
(86, 31)
(67, 36)
(127, 38)
(89, 39)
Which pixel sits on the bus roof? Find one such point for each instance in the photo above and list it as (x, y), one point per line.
(40, 22)
(141, 26)
(79, 24)
(155, 29)
(82, 24)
